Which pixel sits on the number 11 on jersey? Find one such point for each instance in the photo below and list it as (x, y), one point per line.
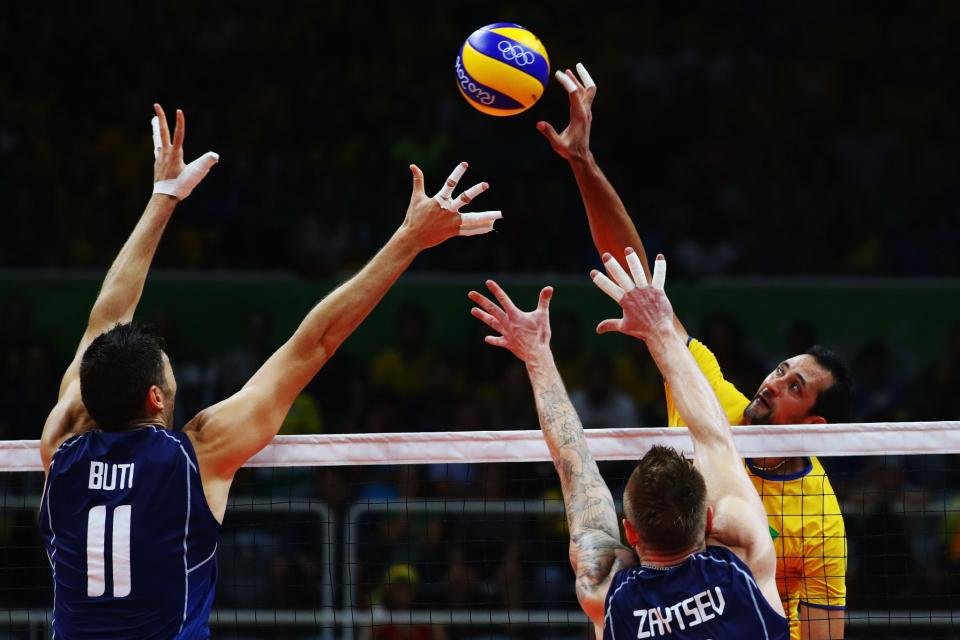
(120, 561)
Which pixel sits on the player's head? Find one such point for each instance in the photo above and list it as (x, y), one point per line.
(125, 376)
(813, 387)
(665, 504)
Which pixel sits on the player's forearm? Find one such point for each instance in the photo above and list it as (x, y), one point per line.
(339, 314)
(610, 224)
(693, 395)
(123, 284)
(587, 499)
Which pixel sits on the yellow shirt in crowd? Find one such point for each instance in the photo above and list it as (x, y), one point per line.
(802, 511)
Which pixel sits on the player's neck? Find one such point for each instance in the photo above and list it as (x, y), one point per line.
(654, 560)
(777, 466)
(140, 423)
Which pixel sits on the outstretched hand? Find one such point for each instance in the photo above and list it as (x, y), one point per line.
(170, 175)
(574, 141)
(645, 306)
(432, 220)
(525, 333)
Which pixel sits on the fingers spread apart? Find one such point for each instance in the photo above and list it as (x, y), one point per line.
(621, 283)
(484, 303)
(570, 82)
(607, 285)
(505, 302)
(566, 81)
(467, 196)
(618, 274)
(471, 224)
(585, 78)
(447, 189)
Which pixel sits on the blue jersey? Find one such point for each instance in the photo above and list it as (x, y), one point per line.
(130, 537)
(711, 596)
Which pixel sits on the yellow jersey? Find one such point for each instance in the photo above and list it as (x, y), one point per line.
(802, 511)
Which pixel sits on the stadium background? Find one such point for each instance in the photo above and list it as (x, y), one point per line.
(797, 164)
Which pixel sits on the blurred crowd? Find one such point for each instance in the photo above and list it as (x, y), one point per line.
(808, 138)
(411, 384)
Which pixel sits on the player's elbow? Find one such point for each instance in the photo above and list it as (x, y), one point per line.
(762, 558)
(716, 437)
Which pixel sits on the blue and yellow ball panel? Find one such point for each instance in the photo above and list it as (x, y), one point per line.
(502, 69)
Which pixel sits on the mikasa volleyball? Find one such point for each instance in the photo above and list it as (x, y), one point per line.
(502, 69)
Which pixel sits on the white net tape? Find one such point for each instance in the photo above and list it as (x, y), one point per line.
(893, 438)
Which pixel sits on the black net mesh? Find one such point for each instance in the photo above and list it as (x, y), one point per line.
(479, 551)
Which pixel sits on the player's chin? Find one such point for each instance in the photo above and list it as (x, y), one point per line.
(757, 412)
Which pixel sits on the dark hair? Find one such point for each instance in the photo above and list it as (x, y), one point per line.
(116, 372)
(835, 402)
(666, 500)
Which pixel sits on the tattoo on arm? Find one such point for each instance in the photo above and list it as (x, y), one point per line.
(591, 512)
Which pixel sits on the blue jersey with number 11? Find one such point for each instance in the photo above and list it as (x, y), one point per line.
(130, 537)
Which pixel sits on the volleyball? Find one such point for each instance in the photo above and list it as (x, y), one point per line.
(502, 69)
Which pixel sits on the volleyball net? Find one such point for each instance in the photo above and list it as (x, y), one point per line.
(462, 534)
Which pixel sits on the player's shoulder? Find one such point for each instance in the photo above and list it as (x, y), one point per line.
(816, 479)
(723, 557)
(72, 443)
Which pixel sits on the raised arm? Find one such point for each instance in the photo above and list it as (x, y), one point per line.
(123, 284)
(610, 224)
(227, 434)
(739, 519)
(595, 549)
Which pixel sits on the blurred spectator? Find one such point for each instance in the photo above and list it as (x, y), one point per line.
(879, 392)
(723, 335)
(398, 592)
(238, 365)
(635, 370)
(304, 417)
(513, 406)
(599, 402)
(402, 366)
(940, 398)
(566, 345)
(800, 336)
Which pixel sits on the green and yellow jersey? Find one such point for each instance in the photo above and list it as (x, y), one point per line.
(802, 511)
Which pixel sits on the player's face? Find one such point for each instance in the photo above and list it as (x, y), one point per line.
(169, 390)
(788, 394)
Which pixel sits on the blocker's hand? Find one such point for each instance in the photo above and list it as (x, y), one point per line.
(574, 141)
(170, 176)
(525, 333)
(645, 306)
(433, 220)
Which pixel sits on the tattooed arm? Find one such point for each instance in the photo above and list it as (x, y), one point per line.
(595, 549)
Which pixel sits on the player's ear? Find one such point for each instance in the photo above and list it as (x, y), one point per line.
(709, 527)
(155, 399)
(632, 538)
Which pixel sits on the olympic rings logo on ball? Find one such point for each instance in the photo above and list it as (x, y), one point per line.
(516, 53)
